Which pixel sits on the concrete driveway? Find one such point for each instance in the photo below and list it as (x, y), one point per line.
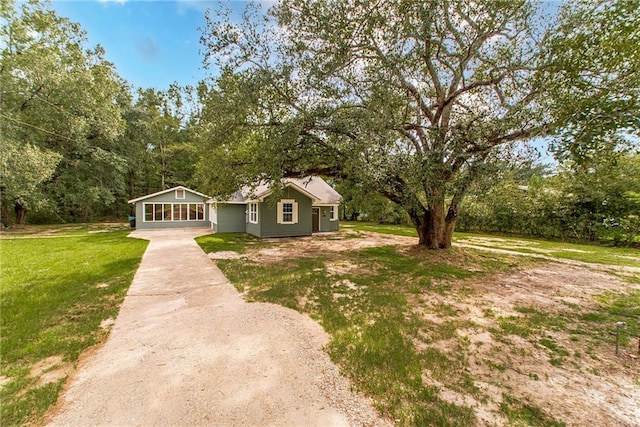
(187, 350)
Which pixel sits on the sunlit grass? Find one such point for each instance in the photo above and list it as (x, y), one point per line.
(563, 250)
(55, 292)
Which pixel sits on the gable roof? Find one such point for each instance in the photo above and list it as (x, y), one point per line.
(313, 187)
(179, 187)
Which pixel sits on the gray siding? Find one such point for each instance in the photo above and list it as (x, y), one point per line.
(255, 229)
(268, 222)
(231, 219)
(325, 219)
(170, 198)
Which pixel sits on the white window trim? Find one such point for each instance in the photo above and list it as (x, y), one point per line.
(253, 220)
(333, 217)
(213, 213)
(184, 194)
(280, 211)
(144, 212)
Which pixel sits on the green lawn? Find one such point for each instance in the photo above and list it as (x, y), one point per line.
(578, 252)
(55, 292)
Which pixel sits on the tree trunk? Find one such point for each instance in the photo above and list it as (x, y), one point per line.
(4, 215)
(449, 226)
(435, 231)
(21, 213)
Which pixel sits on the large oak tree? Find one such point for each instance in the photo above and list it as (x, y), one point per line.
(412, 99)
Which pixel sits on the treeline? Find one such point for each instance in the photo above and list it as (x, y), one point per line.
(77, 140)
(599, 202)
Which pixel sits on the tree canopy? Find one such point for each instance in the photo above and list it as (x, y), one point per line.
(77, 141)
(413, 99)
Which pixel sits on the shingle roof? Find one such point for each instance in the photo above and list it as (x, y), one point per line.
(316, 187)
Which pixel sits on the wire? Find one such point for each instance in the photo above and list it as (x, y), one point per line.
(38, 128)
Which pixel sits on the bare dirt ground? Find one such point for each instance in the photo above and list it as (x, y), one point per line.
(588, 385)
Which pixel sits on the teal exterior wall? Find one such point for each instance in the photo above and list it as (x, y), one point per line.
(325, 219)
(231, 219)
(170, 198)
(267, 217)
(255, 229)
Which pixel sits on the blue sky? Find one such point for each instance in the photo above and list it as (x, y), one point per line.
(151, 43)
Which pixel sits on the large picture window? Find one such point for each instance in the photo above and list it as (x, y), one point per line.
(164, 212)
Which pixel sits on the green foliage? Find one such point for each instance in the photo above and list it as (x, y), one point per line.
(23, 170)
(412, 101)
(84, 146)
(62, 98)
(592, 203)
(591, 71)
(55, 292)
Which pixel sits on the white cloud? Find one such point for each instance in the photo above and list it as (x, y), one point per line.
(113, 1)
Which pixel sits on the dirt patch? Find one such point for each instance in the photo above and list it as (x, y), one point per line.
(107, 323)
(562, 373)
(4, 380)
(225, 255)
(50, 370)
(326, 243)
(584, 385)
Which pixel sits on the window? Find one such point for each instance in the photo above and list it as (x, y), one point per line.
(333, 213)
(253, 213)
(148, 212)
(173, 212)
(177, 213)
(157, 212)
(179, 193)
(196, 211)
(287, 211)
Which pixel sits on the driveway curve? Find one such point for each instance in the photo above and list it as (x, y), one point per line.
(186, 349)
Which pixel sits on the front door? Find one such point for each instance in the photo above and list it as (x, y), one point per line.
(315, 219)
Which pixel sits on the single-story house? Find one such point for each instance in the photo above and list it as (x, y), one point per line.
(304, 206)
(172, 208)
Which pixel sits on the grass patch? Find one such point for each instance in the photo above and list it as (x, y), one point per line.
(236, 242)
(572, 251)
(55, 292)
(397, 230)
(593, 254)
(524, 414)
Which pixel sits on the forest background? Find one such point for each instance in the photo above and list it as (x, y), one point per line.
(78, 142)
